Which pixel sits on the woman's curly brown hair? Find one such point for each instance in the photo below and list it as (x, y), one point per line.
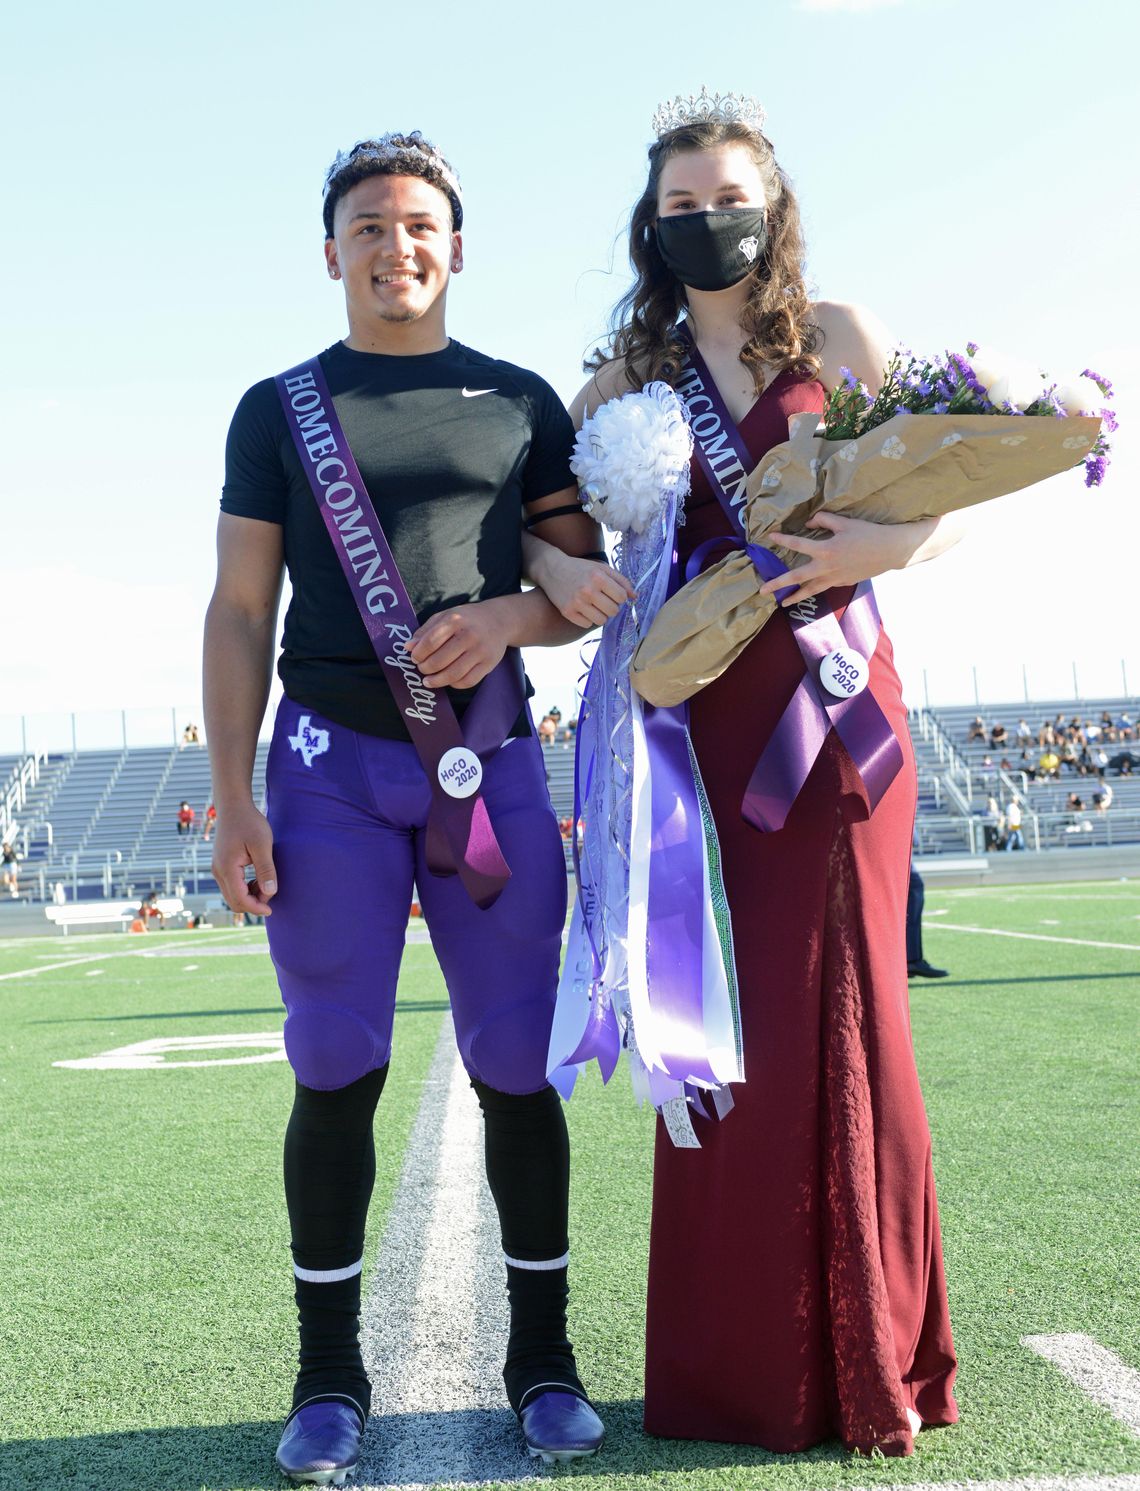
(776, 316)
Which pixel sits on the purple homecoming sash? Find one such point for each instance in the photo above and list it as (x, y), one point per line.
(812, 713)
(460, 838)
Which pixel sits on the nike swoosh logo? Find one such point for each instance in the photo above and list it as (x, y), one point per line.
(475, 393)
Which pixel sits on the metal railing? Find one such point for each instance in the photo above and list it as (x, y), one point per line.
(24, 778)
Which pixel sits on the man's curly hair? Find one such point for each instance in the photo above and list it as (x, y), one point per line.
(391, 155)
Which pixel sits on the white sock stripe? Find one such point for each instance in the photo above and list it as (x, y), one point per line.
(545, 1266)
(327, 1275)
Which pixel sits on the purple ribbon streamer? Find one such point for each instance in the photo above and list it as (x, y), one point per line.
(811, 713)
(601, 1038)
(461, 839)
(675, 915)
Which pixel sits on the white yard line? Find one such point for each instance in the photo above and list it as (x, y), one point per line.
(1027, 1483)
(1127, 947)
(1097, 1371)
(434, 1319)
(51, 967)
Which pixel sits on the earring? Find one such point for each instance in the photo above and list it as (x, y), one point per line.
(334, 274)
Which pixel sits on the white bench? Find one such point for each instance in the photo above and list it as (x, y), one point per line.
(99, 913)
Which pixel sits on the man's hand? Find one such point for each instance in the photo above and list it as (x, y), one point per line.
(245, 838)
(457, 648)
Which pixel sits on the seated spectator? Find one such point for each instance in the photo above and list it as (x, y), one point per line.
(565, 826)
(1024, 733)
(190, 736)
(1046, 736)
(1125, 726)
(1093, 731)
(185, 818)
(997, 736)
(1100, 761)
(1074, 803)
(151, 911)
(986, 770)
(1075, 731)
(210, 824)
(1050, 763)
(977, 730)
(547, 730)
(1102, 798)
(1125, 769)
(1005, 764)
(555, 713)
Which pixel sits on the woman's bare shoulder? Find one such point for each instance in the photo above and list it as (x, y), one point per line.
(853, 337)
(605, 383)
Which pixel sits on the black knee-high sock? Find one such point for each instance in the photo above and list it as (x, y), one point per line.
(528, 1170)
(330, 1167)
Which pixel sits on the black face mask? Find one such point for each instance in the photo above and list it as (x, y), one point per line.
(712, 250)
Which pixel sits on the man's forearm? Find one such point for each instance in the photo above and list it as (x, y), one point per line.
(237, 667)
(529, 620)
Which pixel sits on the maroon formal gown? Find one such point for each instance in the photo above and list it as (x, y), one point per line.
(796, 1290)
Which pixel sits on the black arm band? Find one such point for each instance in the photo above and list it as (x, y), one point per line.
(565, 511)
(599, 554)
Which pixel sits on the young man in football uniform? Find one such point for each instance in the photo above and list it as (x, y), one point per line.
(454, 449)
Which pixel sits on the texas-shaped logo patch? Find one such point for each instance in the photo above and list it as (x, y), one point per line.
(309, 740)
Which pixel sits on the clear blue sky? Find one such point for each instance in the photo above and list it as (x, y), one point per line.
(968, 172)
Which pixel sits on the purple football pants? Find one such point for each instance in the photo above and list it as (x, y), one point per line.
(348, 813)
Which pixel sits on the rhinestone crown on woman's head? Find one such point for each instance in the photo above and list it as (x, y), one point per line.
(708, 108)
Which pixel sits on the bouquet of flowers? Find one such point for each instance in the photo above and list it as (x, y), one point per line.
(641, 971)
(940, 435)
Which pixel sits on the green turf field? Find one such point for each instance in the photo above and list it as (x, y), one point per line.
(147, 1334)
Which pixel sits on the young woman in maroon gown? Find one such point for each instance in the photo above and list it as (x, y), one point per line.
(796, 1290)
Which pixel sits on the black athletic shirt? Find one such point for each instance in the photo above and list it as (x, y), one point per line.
(450, 445)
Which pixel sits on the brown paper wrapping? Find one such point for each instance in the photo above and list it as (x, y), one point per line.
(914, 466)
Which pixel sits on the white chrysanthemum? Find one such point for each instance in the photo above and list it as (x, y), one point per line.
(631, 455)
(1079, 395)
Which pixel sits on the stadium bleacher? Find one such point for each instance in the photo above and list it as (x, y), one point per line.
(104, 822)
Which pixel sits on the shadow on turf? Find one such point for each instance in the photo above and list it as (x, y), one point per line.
(1044, 978)
(402, 1005)
(226, 1456)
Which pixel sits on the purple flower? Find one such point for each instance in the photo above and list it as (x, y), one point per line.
(926, 388)
(1104, 385)
(966, 374)
(849, 378)
(941, 408)
(1110, 421)
(1094, 471)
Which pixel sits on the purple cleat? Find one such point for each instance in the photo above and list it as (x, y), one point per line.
(321, 1442)
(560, 1426)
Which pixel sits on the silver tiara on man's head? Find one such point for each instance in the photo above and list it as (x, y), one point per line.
(393, 147)
(708, 108)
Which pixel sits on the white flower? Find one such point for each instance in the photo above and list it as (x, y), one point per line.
(951, 439)
(1013, 439)
(1007, 380)
(893, 448)
(1079, 394)
(631, 455)
(849, 451)
(771, 479)
(1075, 442)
